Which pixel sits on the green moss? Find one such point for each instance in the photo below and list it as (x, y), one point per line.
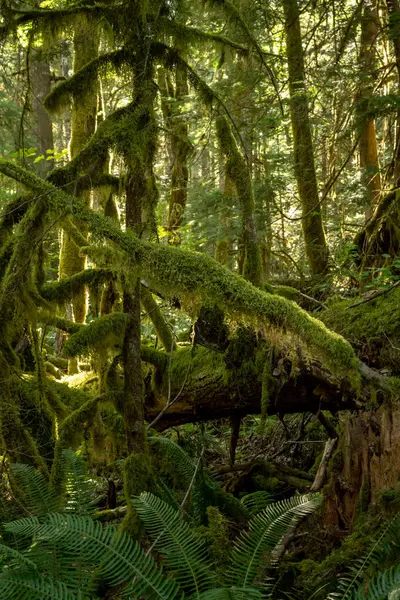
(190, 364)
(71, 431)
(371, 326)
(138, 477)
(51, 369)
(99, 333)
(68, 287)
(197, 276)
(218, 534)
(153, 311)
(239, 173)
(75, 87)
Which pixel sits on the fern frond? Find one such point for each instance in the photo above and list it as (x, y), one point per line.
(25, 586)
(266, 529)
(180, 460)
(380, 586)
(78, 488)
(232, 593)
(349, 583)
(120, 560)
(184, 551)
(256, 501)
(39, 498)
(17, 557)
(25, 527)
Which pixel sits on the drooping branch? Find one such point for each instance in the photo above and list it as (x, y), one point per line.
(75, 86)
(67, 288)
(187, 273)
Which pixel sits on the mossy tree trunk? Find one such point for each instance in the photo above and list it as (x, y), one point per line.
(304, 164)
(179, 146)
(368, 146)
(238, 172)
(83, 124)
(40, 79)
(224, 246)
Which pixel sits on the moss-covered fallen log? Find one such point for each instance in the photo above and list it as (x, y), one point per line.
(201, 388)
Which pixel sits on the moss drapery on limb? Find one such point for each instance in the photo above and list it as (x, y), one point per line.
(239, 173)
(191, 274)
(154, 313)
(304, 165)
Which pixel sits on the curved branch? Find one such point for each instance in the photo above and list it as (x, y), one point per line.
(195, 275)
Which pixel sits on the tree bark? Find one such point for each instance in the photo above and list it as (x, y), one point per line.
(238, 171)
(368, 147)
(304, 165)
(83, 124)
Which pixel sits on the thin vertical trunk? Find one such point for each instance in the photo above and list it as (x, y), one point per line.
(83, 124)
(394, 18)
(304, 165)
(237, 170)
(179, 146)
(368, 147)
(40, 78)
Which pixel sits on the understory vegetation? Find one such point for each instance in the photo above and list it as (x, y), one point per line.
(199, 299)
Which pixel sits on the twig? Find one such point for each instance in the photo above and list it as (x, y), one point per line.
(376, 295)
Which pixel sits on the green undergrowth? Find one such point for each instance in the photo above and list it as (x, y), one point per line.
(371, 327)
(319, 576)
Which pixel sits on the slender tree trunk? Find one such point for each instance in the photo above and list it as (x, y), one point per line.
(304, 165)
(83, 124)
(394, 18)
(179, 146)
(238, 172)
(368, 147)
(40, 78)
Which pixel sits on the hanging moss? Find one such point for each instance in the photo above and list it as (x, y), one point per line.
(100, 333)
(267, 385)
(154, 313)
(75, 87)
(68, 287)
(138, 477)
(190, 274)
(71, 431)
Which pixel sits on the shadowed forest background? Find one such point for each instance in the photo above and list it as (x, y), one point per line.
(200, 299)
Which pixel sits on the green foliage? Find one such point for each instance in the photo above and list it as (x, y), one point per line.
(101, 333)
(351, 586)
(266, 530)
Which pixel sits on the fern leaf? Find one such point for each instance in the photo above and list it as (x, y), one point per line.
(180, 460)
(17, 557)
(349, 583)
(184, 551)
(25, 527)
(256, 501)
(39, 498)
(121, 560)
(266, 529)
(25, 586)
(78, 488)
(232, 593)
(380, 586)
